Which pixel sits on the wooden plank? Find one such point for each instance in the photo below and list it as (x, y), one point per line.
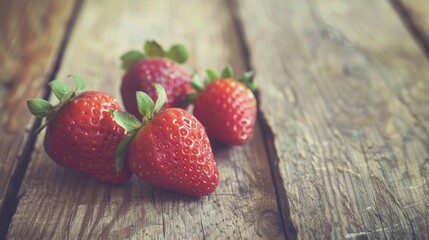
(345, 98)
(70, 205)
(28, 48)
(416, 14)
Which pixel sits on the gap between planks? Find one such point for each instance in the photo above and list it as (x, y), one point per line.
(289, 229)
(11, 198)
(410, 25)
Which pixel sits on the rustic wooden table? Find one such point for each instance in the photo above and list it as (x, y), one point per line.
(341, 149)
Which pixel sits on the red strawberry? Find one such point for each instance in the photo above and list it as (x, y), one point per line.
(226, 107)
(156, 66)
(170, 149)
(81, 133)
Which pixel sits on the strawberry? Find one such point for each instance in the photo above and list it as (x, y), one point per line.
(81, 133)
(155, 66)
(169, 149)
(226, 106)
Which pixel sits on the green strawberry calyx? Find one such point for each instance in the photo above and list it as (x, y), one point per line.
(152, 49)
(148, 109)
(42, 108)
(213, 75)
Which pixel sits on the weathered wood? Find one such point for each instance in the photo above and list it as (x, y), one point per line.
(29, 44)
(345, 97)
(415, 12)
(56, 203)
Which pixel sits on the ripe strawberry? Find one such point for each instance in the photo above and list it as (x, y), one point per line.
(155, 66)
(170, 149)
(81, 133)
(225, 106)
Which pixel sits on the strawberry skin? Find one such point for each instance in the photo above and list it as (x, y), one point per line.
(227, 109)
(142, 75)
(172, 151)
(83, 136)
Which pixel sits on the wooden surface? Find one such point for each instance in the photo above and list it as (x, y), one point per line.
(351, 140)
(340, 151)
(29, 47)
(72, 206)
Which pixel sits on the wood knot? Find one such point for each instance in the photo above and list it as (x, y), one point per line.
(8, 84)
(269, 224)
(356, 65)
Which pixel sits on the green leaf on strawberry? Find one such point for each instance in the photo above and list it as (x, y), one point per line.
(131, 124)
(178, 53)
(80, 131)
(153, 49)
(79, 83)
(246, 80)
(127, 121)
(225, 106)
(170, 149)
(59, 88)
(155, 65)
(42, 108)
(247, 76)
(196, 83)
(39, 107)
(213, 75)
(130, 58)
(121, 152)
(227, 72)
(162, 97)
(145, 104)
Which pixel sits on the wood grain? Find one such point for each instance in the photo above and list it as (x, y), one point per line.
(58, 204)
(345, 99)
(28, 48)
